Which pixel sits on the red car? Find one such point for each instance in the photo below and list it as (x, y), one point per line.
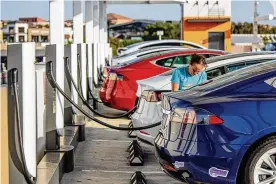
(119, 88)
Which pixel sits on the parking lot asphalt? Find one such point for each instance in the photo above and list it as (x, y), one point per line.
(103, 157)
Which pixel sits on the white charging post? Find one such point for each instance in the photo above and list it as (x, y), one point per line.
(89, 39)
(96, 41)
(22, 58)
(70, 56)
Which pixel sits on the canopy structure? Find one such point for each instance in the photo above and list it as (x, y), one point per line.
(146, 2)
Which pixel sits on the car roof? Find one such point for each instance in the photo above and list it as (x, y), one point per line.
(148, 43)
(154, 49)
(180, 51)
(237, 55)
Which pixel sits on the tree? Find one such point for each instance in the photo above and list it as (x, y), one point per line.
(171, 30)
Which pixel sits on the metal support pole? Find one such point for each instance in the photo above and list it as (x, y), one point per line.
(77, 22)
(96, 45)
(255, 26)
(182, 21)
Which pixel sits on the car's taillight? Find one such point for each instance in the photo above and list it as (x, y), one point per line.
(143, 132)
(112, 76)
(151, 96)
(168, 167)
(193, 115)
(120, 77)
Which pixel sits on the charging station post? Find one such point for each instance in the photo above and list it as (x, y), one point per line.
(22, 57)
(70, 56)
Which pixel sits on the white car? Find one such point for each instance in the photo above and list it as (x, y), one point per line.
(149, 90)
(157, 43)
(141, 53)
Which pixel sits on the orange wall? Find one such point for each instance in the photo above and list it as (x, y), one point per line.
(198, 31)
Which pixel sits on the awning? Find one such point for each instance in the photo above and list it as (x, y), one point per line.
(208, 19)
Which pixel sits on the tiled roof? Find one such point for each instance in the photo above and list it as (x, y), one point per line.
(112, 16)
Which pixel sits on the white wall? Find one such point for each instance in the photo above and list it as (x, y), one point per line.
(202, 9)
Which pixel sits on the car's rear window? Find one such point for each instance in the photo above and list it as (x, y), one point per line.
(238, 75)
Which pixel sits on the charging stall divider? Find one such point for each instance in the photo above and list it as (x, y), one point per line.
(89, 52)
(70, 53)
(81, 52)
(40, 110)
(22, 57)
(95, 63)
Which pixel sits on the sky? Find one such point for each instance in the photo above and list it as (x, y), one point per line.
(241, 10)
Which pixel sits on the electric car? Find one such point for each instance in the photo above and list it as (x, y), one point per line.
(157, 43)
(140, 53)
(222, 131)
(119, 87)
(149, 105)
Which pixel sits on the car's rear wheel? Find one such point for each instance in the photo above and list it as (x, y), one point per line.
(261, 165)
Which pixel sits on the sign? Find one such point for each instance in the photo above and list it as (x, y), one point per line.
(160, 33)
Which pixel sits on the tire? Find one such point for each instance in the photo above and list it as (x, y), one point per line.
(267, 147)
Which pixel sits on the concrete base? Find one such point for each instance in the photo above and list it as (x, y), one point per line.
(57, 162)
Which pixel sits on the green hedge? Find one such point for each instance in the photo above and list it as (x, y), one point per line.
(116, 43)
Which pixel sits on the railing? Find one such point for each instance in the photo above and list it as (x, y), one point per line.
(216, 12)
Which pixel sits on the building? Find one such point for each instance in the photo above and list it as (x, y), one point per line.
(131, 30)
(31, 19)
(38, 34)
(117, 19)
(207, 23)
(15, 31)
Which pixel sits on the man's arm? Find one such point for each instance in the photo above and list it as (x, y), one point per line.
(175, 86)
(175, 80)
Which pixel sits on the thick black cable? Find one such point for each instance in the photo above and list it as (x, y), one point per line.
(67, 70)
(53, 83)
(28, 177)
(80, 82)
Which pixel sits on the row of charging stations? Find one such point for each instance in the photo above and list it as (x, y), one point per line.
(40, 117)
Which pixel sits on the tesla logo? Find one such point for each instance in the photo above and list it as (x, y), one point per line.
(215, 172)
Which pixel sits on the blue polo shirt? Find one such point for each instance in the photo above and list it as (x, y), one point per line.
(185, 80)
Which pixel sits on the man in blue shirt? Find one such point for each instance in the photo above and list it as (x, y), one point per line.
(191, 75)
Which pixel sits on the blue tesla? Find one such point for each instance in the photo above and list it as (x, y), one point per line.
(222, 131)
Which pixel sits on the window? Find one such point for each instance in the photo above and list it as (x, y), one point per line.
(181, 61)
(44, 39)
(236, 76)
(35, 39)
(11, 29)
(21, 30)
(21, 38)
(233, 67)
(167, 62)
(215, 72)
(11, 39)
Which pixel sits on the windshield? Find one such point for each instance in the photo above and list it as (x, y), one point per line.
(237, 76)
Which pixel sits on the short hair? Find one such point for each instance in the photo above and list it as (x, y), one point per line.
(198, 59)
